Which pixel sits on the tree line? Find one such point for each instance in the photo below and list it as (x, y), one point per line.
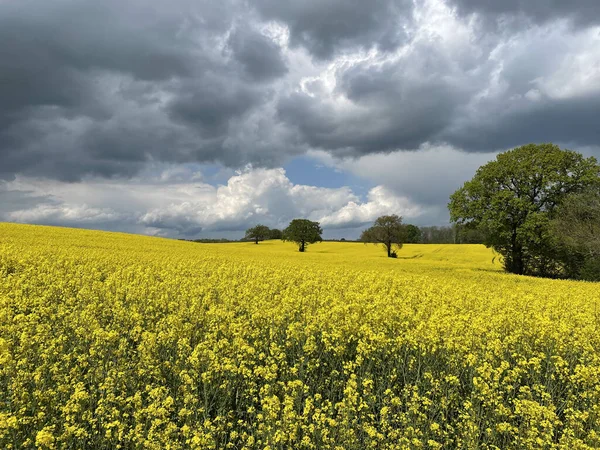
(453, 234)
(412, 234)
(386, 230)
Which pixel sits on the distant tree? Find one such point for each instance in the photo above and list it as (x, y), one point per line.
(257, 233)
(274, 233)
(303, 232)
(512, 200)
(387, 230)
(468, 235)
(576, 228)
(412, 234)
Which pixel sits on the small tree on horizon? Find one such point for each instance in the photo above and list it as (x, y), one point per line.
(303, 232)
(412, 234)
(275, 233)
(257, 233)
(387, 230)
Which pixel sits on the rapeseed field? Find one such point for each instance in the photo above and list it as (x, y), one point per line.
(112, 341)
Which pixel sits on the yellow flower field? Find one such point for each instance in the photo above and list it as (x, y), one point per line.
(110, 340)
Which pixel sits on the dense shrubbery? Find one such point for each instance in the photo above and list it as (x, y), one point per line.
(576, 232)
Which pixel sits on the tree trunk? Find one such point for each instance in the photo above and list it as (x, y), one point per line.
(256, 240)
(389, 249)
(301, 246)
(518, 262)
(517, 265)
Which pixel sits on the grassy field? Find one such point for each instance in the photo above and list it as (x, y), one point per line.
(110, 340)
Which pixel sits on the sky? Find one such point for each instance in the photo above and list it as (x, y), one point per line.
(194, 118)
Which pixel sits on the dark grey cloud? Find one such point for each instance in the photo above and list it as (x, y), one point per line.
(399, 104)
(211, 103)
(106, 88)
(449, 88)
(48, 48)
(327, 27)
(572, 121)
(582, 12)
(260, 57)
(102, 88)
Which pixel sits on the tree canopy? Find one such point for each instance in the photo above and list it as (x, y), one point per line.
(387, 230)
(258, 233)
(513, 199)
(303, 232)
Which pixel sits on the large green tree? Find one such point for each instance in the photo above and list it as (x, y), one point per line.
(258, 233)
(388, 231)
(303, 232)
(513, 199)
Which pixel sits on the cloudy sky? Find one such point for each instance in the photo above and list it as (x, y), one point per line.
(193, 118)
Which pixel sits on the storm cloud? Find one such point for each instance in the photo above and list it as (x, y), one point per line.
(103, 87)
(326, 28)
(104, 90)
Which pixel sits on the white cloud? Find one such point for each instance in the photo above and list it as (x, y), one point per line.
(381, 201)
(268, 196)
(178, 203)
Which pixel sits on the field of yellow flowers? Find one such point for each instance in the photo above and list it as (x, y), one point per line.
(117, 341)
